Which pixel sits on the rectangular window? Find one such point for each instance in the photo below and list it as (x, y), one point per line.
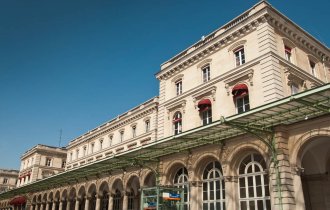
(92, 148)
(313, 70)
(121, 136)
(178, 86)
(294, 89)
(63, 163)
(288, 53)
(48, 161)
(134, 131)
(84, 150)
(110, 140)
(5, 180)
(242, 104)
(207, 117)
(147, 125)
(239, 56)
(77, 154)
(101, 144)
(206, 73)
(71, 156)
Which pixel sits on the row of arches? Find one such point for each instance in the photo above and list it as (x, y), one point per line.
(210, 192)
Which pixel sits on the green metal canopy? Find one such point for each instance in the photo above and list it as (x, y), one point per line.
(296, 108)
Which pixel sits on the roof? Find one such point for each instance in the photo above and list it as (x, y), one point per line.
(300, 107)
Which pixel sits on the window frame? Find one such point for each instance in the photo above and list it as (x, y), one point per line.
(245, 189)
(177, 123)
(239, 54)
(48, 161)
(288, 53)
(181, 180)
(147, 125)
(245, 106)
(178, 87)
(206, 73)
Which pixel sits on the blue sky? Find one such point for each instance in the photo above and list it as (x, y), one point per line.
(73, 65)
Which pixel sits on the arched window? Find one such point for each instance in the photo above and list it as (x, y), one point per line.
(253, 184)
(130, 197)
(181, 180)
(205, 111)
(117, 201)
(177, 123)
(105, 201)
(92, 203)
(213, 187)
(241, 98)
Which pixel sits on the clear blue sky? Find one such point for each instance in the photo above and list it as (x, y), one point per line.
(74, 64)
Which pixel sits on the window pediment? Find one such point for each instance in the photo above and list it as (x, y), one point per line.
(236, 45)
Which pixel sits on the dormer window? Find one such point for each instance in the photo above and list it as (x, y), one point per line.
(288, 53)
(239, 56)
(206, 73)
(178, 87)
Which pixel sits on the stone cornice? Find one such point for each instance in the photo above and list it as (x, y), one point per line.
(125, 119)
(303, 38)
(214, 42)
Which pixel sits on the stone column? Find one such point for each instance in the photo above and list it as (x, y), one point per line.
(125, 201)
(42, 206)
(195, 192)
(298, 186)
(68, 204)
(98, 202)
(76, 207)
(282, 176)
(110, 204)
(54, 205)
(61, 205)
(31, 207)
(231, 193)
(87, 203)
(47, 206)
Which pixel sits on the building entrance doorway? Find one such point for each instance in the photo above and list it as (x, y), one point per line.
(315, 177)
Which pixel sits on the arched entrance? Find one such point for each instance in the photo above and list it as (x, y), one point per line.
(315, 164)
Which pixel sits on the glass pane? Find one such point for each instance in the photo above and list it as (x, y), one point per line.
(258, 180)
(250, 181)
(252, 205)
(211, 195)
(243, 205)
(218, 206)
(205, 206)
(249, 170)
(251, 192)
(205, 196)
(260, 204)
(268, 204)
(212, 206)
(266, 190)
(242, 193)
(259, 191)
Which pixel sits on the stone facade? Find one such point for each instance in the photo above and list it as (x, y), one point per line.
(40, 162)
(257, 60)
(8, 179)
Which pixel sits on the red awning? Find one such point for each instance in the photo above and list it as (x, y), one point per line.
(204, 105)
(287, 49)
(239, 90)
(18, 201)
(177, 120)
